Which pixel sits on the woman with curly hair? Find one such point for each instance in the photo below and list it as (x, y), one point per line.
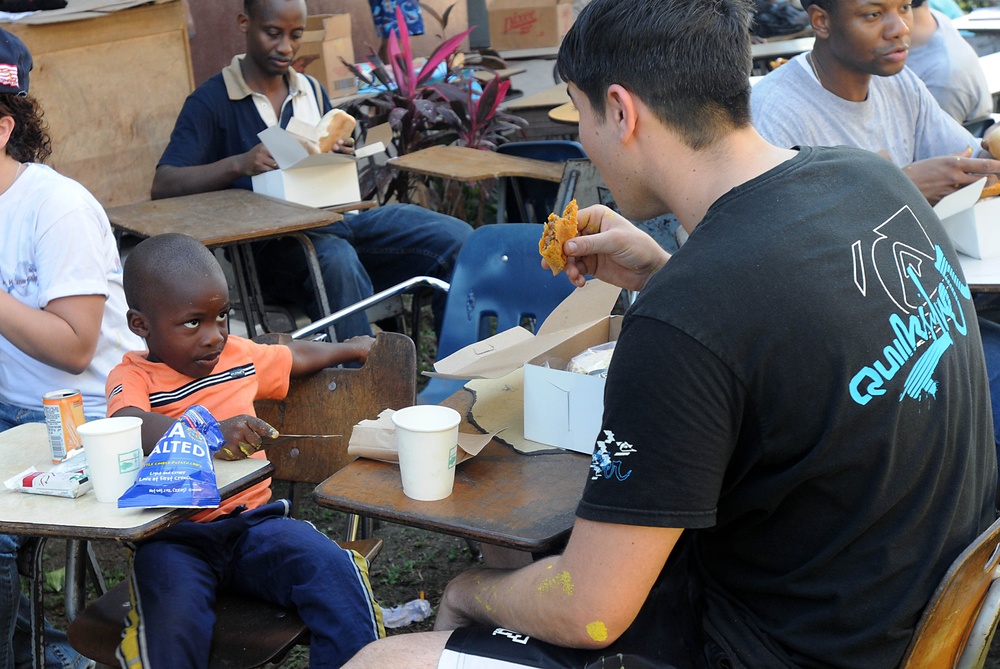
(62, 309)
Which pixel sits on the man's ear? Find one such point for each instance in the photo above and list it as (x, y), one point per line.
(819, 18)
(6, 129)
(137, 323)
(620, 111)
(243, 23)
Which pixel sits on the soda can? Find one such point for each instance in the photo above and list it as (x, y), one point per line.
(63, 414)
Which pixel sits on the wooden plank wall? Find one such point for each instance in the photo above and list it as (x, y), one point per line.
(111, 89)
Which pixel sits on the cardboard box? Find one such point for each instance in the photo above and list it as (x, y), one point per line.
(972, 224)
(561, 408)
(528, 24)
(328, 36)
(315, 180)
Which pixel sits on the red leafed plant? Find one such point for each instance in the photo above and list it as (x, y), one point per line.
(459, 110)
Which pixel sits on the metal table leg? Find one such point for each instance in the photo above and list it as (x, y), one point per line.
(248, 289)
(316, 274)
(30, 562)
(81, 561)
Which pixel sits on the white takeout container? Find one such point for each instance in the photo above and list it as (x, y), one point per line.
(972, 224)
(315, 180)
(561, 408)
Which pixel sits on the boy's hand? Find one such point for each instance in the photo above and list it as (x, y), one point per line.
(308, 357)
(243, 435)
(360, 346)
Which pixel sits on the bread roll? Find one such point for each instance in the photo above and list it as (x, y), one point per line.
(335, 125)
(994, 143)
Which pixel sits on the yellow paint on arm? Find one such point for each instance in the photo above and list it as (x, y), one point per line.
(563, 581)
(487, 607)
(597, 631)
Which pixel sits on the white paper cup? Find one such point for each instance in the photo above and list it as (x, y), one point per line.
(114, 454)
(427, 441)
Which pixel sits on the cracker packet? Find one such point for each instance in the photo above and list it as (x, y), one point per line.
(70, 478)
(180, 472)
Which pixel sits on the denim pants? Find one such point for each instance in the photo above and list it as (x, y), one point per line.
(15, 609)
(363, 254)
(990, 333)
(262, 553)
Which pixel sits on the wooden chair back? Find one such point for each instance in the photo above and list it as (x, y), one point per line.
(946, 624)
(332, 401)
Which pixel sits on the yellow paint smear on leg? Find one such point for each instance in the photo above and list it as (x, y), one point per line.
(597, 631)
(563, 581)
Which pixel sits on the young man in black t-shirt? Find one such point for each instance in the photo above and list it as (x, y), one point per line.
(796, 439)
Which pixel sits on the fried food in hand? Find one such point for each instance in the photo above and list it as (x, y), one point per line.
(558, 230)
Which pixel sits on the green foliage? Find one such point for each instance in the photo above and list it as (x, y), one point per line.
(55, 579)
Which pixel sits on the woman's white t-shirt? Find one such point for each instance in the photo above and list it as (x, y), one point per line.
(57, 242)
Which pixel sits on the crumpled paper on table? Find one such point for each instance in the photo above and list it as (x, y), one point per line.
(376, 440)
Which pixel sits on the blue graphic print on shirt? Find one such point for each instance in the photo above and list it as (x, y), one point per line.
(928, 302)
(601, 462)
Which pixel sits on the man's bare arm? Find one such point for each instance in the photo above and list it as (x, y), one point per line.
(937, 177)
(580, 599)
(173, 181)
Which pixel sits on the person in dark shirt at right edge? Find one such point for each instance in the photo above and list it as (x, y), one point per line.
(796, 440)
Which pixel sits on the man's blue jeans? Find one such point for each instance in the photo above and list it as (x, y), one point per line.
(363, 254)
(990, 333)
(15, 611)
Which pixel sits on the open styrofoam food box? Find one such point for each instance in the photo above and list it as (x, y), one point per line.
(315, 180)
(561, 408)
(972, 224)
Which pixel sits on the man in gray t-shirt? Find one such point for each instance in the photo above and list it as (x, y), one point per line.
(853, 89)
(948, 65)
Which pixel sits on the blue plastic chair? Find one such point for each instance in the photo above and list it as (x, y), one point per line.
(525, 200)
(497, 284)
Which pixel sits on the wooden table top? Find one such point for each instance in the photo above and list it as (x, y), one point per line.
(567, 114)
(550, 97)
(460, 163)
(219, 217)
(84, 517)
(523, 502)
(505, 73)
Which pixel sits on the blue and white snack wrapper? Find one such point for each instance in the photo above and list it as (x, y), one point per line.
(180, 472)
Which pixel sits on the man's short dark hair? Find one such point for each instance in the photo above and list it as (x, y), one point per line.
(250, 7)
(689, 61)
(828, 5)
